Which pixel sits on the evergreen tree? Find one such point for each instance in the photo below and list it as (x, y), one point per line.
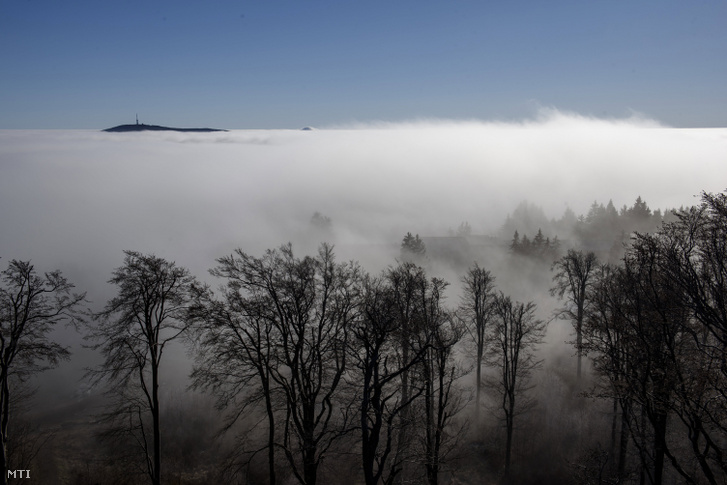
(515, 244)
(538, 242)
(412, 248)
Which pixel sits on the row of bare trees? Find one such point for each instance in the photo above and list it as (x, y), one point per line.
(656, 328)
(336, 357)
(332, 353)
(505, 335)
(279, 334)
(332, 357)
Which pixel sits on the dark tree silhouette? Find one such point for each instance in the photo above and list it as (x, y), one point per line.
(694, 249)
(539, 248)
(412, 248)
(31, 306)
(572, 280)
(658, 346)
(289, 322)
(678, 311)
(407, 282)
(132, 332)
(315, 301)
(443, 400)
(515, 333)
(374, 351)
(515, 243)
(235, 352)
(606, 337)
(656, 328)
(475, 310)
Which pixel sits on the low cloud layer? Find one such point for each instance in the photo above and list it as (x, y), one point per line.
(76, 199)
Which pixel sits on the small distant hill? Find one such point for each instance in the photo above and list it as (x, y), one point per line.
(143, 127)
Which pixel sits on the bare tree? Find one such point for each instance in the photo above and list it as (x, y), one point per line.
(426, 335)
(315, 302)
(31, 306)
(287, 326)
(694, 259)
(235, 353)
(676, 289)
(374, 344)
(443, 399)
(475, 310)
(573, 278)
(132, 332)
(651, 349)
(515, 333)
(607, 336)
(407, 282)
(658, 346)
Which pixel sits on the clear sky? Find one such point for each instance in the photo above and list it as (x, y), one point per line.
(289, 64)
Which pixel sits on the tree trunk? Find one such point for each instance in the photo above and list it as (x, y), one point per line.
(432, 474)
(271, 436)
(623, 440)
(369, 438)
(480, 351)
(659, 447)
(579, 336)
(4, 426)
(508, 452)
(405, 410)
(580, 355)
(642, 456)
(430, 458)
(614, 420)
(156, 477)
(310, 470)
(508, 445)
(310, 448)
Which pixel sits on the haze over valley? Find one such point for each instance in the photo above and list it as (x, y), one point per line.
(75, 200)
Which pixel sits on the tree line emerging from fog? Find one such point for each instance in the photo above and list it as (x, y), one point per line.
(323, 373)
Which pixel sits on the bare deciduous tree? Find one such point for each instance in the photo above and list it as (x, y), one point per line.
(440, 370)
(315, 302)
(515, 333)
(374, 344)
(655, 328)
(285, 323)
(31, 306)
(606, 336)
(475, 310)
(132, 332)
(407, 282)
(573, 278)
(235, 354)
(694, 258)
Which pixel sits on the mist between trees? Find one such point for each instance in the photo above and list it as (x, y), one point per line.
(312, 370)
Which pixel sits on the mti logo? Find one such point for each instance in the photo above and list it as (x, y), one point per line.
(18, 473)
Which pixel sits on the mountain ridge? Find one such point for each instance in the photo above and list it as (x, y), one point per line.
(143, 127)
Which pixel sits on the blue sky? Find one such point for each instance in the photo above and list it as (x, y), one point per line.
(288, 64)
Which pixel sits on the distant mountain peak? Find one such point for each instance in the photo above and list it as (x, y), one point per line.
(142, 127)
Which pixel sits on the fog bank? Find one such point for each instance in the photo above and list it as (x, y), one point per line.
(76, 199)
